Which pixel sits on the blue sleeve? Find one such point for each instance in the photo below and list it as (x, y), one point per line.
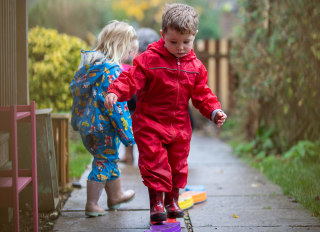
(119, 117)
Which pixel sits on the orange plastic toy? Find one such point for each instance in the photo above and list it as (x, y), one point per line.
(197, 197)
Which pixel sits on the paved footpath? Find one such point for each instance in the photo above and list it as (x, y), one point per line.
(233, 188)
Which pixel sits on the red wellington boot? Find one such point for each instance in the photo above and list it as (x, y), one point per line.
(171, 204)
(157, 213)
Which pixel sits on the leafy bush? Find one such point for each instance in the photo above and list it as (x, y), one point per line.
(304, 150)
(53, 60)
(277, 59)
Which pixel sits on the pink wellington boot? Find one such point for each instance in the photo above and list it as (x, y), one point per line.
(115, 194)
(128, 156)
(94, 190)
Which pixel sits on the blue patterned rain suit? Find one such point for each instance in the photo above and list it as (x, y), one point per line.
(101, 130)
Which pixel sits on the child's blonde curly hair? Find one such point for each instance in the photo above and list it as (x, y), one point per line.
(117, 41)
(180, 17)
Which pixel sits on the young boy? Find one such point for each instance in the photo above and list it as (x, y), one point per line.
(165, 77)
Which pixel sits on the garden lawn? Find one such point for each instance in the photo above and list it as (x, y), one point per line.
(297, 178)
(80, 158)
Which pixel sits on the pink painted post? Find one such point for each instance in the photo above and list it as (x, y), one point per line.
(34, 167)
(14, 150)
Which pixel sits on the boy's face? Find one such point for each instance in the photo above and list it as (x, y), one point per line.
(176, 43)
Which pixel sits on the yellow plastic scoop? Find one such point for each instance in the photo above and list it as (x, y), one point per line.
(185, 202)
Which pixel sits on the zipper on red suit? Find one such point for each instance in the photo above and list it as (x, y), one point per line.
(178, 90)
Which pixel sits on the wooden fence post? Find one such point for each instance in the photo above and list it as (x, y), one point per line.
(214, 54)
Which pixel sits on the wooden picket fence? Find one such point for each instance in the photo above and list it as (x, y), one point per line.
(60, 125)
(214, 54)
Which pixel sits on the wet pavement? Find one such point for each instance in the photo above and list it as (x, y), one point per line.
(239, 199)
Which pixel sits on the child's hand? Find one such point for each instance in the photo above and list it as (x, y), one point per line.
(220, 118)
(110, 100)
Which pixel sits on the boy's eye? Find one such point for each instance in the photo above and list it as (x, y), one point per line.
(186, 42)
(173, 42)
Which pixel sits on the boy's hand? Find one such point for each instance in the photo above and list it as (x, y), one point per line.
(110, 100)
(220, 118)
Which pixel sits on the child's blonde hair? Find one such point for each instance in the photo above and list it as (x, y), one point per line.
(117, 40)
(180, 17)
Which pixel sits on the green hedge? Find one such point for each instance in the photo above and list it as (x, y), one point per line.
(277, 60)
(53, 60)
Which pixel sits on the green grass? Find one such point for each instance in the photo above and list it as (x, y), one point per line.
(79, 158)
(297, 171)
(299, 179)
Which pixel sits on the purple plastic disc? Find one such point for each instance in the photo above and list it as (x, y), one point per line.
(166, 227)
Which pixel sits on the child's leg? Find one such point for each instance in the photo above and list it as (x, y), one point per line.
(94, 190)
(94, 186)
(157, 213)
(128, 155)
(158, 172)
(115, 194)
(153, 161)
(177, 158)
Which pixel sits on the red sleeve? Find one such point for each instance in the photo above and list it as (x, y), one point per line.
(130, 81)
(202, 97)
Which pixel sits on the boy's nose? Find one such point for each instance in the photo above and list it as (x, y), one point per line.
(180, 46)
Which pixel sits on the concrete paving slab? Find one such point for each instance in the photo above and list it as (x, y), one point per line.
(244, 189)
(256, 229)
(227, 175)
(217, 171)
(252, 217)
(250, 188)
(232, 188)
(247, 202)
(210, 149)
(120, 220)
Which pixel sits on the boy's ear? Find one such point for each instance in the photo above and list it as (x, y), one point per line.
(196, 33)
(161, 32)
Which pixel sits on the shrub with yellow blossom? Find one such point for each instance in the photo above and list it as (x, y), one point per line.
(53, 60)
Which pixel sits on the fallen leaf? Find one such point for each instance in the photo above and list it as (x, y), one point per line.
(235, 216)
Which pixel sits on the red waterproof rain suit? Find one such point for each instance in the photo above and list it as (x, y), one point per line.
(161, 123)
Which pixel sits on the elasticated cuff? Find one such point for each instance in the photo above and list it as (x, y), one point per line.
(213, 114)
